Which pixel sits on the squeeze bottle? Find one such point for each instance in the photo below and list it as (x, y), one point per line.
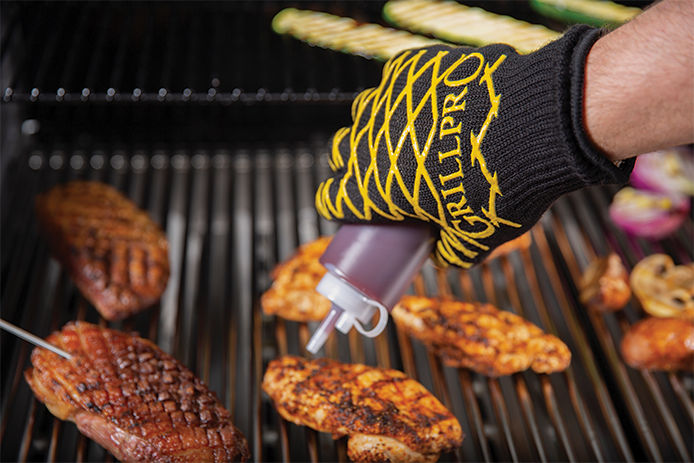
(369, 269)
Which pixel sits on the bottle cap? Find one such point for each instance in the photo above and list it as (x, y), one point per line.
(350, 309)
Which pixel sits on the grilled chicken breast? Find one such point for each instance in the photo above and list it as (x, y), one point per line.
(132, 398)
(115, 253)
(388, 416)
(520, 243)
(481, 337)
(605, 284)
(660, 344)
(293, 294)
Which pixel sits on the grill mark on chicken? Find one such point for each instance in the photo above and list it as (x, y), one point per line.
(293, 293)
(393, 416)
(132, 398)
(115, 253)
(480, 336)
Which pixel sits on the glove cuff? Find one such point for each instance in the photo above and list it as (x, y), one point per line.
(543, 120)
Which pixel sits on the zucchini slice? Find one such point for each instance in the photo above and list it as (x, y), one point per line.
(594, 12)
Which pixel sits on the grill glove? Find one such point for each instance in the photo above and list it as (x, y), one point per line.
(478, 142)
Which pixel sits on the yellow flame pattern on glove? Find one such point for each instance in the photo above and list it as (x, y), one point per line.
(462, 229)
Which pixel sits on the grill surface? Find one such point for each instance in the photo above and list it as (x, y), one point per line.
(184, 52)
(172, 52)
(231, 214)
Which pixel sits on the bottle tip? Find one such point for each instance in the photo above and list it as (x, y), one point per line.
(320, 336)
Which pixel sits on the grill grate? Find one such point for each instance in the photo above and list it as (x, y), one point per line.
(177, 52)
(231, 214)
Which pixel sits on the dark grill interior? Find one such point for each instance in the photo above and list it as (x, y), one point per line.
(173, 52)
(232, 182)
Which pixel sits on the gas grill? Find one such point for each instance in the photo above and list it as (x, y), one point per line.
(220, 130)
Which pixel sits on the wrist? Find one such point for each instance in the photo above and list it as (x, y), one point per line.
(638, 89)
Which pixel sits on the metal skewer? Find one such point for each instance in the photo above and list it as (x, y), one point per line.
(17, 331)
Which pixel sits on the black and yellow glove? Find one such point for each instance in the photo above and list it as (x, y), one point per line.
(478, 142)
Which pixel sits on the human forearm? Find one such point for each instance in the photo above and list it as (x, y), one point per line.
(639, 85)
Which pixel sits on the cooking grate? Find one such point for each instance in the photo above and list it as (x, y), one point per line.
(231, 214)
(180, 52)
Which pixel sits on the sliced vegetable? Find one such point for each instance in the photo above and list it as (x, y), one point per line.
(668, 171)
(594, 12)
(449, 20)
(648, 214)
(663, 288)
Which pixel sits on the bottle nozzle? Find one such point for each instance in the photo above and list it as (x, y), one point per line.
(323, 331)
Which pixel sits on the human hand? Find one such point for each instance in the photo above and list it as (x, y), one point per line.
(477, 142)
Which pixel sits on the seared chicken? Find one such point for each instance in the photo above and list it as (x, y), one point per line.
(293, 294)
(481, 337)
(133, 398)
(520, 243)
(388, 416)
(660, 344)
(605, 284)
(115, 253)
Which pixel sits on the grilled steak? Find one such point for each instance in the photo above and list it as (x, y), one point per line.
(660, 344)
(388, 416)
(133, 398)
(481, 337)
(293, 294)
(115, 253)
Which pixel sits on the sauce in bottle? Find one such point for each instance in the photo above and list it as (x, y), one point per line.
(369, 269)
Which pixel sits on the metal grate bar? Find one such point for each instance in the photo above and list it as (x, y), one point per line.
(9, 28)
(521, 386)
(49, 52)
(19, 287)
(496, 287)
(601, 324)
(78, 40)
(551, 273)
(656, 395)
(138, 41)
(474, 409)
(98, 54)
(520, 266)
(197, 230)
(117, 70)
(242, 296)
(33, 37)
(230, 215)
(145, 60)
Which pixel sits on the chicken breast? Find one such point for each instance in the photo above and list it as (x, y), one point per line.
(388, 416)
(132, 398)
(481, 337)
(660, 344)
(293, 294)
(516, 244)
(115, 253)
(605, 284)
